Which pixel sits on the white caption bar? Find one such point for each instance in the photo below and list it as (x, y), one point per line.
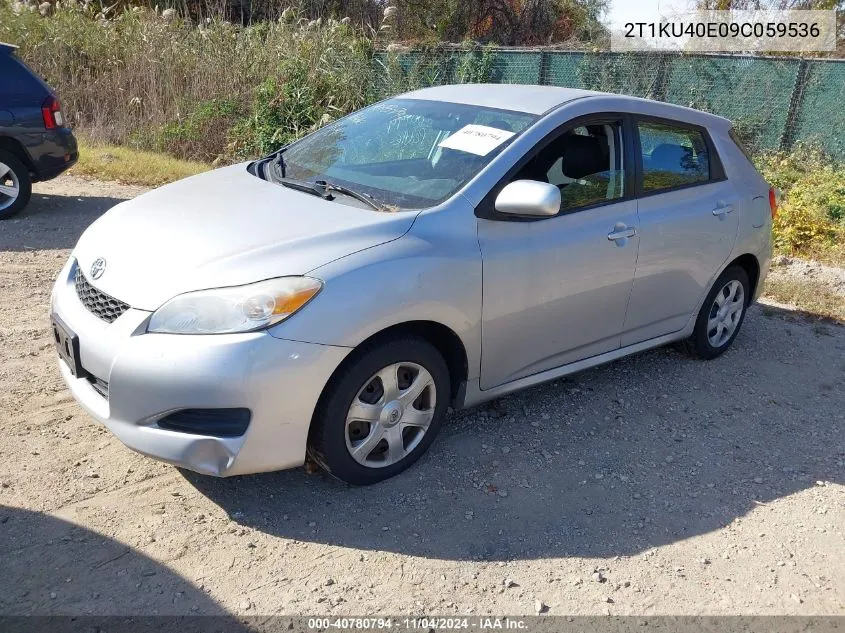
(727, 31)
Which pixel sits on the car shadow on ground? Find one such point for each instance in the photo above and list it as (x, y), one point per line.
(52, 567)
(646, 451)
(52, 221)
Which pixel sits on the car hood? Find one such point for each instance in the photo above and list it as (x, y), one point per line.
(223, 228)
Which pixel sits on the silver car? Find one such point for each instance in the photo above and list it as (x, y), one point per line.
(437, 249)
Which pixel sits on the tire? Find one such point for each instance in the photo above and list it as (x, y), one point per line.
(16, 176)
(397, 434)
(706, 341)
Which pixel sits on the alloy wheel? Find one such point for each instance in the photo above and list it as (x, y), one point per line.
(9, 186)
(390, 414)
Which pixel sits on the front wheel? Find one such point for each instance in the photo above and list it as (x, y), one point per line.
(721, 316)
(381, 411)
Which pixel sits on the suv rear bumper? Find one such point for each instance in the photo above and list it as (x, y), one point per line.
(53, 153)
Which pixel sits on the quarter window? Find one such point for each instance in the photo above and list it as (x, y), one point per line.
(17, 79)
(740, 145)
(673, 156)
(585, 163)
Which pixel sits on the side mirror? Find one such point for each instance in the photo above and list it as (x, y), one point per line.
(529, 198)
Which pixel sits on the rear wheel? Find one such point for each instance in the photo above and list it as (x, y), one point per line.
(721, 315)
(15, 185)
(381, 413)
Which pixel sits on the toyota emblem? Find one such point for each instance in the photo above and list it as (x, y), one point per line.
(98, 268)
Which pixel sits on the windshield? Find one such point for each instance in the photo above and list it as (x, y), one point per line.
(405, 153)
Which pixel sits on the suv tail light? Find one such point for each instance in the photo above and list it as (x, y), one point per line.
(774, 201)
(51, 112)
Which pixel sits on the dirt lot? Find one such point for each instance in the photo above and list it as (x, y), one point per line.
(657, 484)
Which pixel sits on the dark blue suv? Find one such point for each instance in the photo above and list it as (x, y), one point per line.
(35, 141)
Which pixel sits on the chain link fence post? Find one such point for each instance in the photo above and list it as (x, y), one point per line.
(661, 87)
(795, 103)
(545, 63)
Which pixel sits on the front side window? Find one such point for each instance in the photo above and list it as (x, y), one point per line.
(585, 163)
(673, 156)
(406, 153)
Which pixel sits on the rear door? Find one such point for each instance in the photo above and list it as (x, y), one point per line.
(688, 214)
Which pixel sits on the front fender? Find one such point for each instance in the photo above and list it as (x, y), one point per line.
(432, 273)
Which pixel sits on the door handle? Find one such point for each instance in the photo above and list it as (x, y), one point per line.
(722, 209)
(621, 233)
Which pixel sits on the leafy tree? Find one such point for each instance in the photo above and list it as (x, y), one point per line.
(506, 22)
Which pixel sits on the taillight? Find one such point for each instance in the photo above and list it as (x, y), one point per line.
(51, 112)
(774, 199)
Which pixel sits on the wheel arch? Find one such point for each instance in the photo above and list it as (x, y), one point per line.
(751, 266)
(440, 336)
(13, 146)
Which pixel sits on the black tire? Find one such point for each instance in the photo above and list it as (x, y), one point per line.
(699, 343)
(24, 183)
(327, 438)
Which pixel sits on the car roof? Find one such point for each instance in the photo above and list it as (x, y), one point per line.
(516, 97)
(539, 100)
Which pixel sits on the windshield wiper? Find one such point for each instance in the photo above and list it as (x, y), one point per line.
(358, 195)
(324, 189)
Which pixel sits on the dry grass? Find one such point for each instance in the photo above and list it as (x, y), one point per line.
(133, 77)
(135, 167)
(812, 297)
(833, 255)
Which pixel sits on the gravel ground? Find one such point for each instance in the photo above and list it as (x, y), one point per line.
(654, 485)
(830, 276)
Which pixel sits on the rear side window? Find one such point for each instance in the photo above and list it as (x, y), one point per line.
(673, 155)
(17, 80)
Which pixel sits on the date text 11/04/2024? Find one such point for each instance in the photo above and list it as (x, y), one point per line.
(415, 624)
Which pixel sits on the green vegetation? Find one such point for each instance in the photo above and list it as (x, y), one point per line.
(209, 91)
(810, 222)
(209, 82)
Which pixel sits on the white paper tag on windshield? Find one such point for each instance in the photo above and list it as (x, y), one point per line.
(476, 139)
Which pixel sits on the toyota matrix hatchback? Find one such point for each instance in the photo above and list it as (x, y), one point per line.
(437, 249)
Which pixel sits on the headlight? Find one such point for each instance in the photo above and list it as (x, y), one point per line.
(235, 309)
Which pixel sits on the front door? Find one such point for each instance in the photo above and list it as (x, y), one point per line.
(555, 290)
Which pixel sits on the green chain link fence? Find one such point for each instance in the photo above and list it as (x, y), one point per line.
(773, 102)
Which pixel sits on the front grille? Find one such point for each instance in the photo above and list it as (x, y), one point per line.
(98, 303)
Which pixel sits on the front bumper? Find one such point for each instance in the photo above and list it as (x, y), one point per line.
(151, 375)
